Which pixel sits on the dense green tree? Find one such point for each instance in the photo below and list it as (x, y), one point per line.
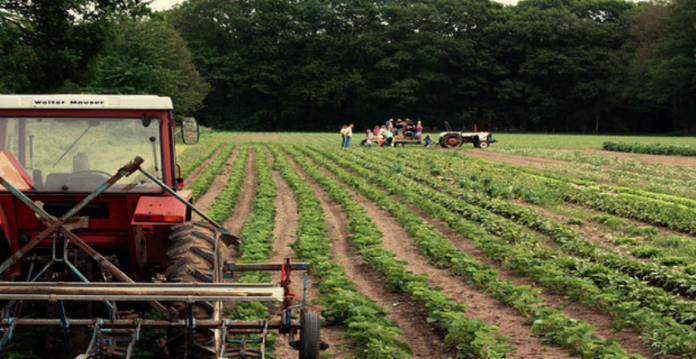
(44, 43)
(672, 69)
(558, 58)
(148, 57)
(630, 70)
(549, 65)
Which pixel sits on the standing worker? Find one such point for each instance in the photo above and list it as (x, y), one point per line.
(343, 135)
(349, 135)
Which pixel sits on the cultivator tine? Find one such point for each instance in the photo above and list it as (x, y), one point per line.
(241, 350)
(7, 332)
(109, 342)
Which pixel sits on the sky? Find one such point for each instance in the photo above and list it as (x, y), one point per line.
(164, 4)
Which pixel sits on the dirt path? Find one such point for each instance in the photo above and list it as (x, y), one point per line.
(197, 172)
(523, 161)
(284, 234)
(245, 201)
(408, 316)
(208, 198)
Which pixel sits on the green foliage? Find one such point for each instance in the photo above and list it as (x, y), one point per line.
(690, 269)
(523, 298)
(148, 57)
(645, 231)
(206, 178)
(627, 241)
(646, 252)
(610, 221)
(577, 221)
(603, 279)
(673, 261)
(226, 199)
(47, 46)
(365, 322)
(650, 148)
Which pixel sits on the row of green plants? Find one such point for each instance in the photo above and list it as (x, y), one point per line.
(569, 239)
(645, 242)
(472, 338)
(224, 203)
(516, 250)
(650, 148)
(194, 156)
(200, 186)
(659, 178)
(547, 320)
(495, 181)
(365, 323)
(466, 168)
(256, 246)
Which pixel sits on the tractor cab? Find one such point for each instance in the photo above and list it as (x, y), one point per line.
(72, 143)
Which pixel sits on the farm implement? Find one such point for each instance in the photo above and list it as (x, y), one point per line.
(92, 246)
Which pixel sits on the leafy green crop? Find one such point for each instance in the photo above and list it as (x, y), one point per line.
(650, 148)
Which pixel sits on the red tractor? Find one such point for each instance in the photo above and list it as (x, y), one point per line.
(94, 222)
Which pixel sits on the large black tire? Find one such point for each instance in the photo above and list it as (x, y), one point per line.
(310, 340)
(451, 141)
(194, 256)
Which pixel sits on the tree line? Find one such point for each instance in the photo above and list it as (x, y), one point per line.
(277, 65)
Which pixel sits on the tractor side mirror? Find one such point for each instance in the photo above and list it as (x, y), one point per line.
(189, 131)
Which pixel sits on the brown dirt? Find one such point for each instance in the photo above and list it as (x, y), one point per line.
(409, 317)
(197, 172)
(524, 161)
(208, 198)
(245, 201)
(284, 234)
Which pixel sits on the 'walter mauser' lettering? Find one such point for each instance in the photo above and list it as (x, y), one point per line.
(51, 102)
(86, 102)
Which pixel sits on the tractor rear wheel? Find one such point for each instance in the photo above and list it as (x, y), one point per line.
(195, 254)
(451, 141)
(310, 340)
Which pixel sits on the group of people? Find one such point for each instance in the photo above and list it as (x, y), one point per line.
(385, 135)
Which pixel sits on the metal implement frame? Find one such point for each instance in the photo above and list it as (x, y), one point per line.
(117, 337)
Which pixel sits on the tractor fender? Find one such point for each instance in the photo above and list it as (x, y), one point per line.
(159, 210)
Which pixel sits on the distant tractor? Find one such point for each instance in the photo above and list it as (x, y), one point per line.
(96, 231)
(451, 139)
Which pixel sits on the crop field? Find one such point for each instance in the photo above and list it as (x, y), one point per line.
(536, 247)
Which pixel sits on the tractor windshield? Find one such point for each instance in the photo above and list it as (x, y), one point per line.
(79, 154)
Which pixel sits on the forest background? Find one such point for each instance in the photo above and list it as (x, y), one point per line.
(581, 66)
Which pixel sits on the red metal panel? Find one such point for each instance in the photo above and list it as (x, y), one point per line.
(159, 210)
